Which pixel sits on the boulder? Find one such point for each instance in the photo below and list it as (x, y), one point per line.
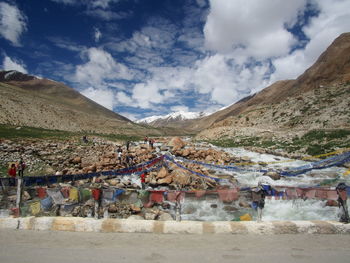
(332, 203)
(176, 143)
(244, 204)
(166, 180)
(163, 172)
(150, 216)
(112, 208)
(273, 175)
(180, 177)
(209, 158)
(135, 208)
(76, 160)
(186, 152)
(347, 165)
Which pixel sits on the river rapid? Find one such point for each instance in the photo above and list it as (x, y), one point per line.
(210, 209)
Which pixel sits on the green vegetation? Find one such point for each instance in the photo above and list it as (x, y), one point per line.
(313, 143)
(13, 132)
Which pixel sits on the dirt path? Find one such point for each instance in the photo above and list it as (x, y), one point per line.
(43, 246)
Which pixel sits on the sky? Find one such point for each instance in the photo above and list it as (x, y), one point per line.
(152, 57)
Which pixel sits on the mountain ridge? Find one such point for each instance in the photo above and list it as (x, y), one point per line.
(30, 101)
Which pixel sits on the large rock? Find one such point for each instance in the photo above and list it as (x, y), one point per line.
(176, 143)
(273, 175)
(76, 160)
(165, 180)
(180, 177)
(150, 216)
(163, 172)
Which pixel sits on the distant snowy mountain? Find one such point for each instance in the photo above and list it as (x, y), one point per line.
(172, 117)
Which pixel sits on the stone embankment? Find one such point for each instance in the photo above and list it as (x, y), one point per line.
(173, 227)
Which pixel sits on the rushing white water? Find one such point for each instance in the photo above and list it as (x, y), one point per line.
(211, 209)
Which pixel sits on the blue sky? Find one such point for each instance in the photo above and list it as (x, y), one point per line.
(152, 57)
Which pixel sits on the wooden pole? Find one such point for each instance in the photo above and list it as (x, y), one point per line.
(19, 196)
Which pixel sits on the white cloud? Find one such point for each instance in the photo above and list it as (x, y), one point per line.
(12, 23)
(130, 116)
(100, 69)
(12, 64)
(66, 44)
(225, 81)
(252, 26)
(179, 108)
(98, 8)
(92, 4)
(102, 96)
(123, 98)
(146, 94)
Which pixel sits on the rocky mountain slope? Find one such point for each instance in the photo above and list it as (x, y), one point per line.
(30, 101)
(318, 99)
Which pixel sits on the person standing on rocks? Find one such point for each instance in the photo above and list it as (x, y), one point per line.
(20, 168)
(127, 145)
(258, 196)
(143, 180)
(12, 171)
(342, 198)
(120, 154)
(151, 142)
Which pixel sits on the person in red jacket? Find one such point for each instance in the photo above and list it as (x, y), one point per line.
(143, 180)
(12, 171)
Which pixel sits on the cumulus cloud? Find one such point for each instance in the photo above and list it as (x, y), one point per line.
(102, 96)
(179, 108)
(100, 69)
(251, 27)
(12, 23)
(98, 75)
(13, 64)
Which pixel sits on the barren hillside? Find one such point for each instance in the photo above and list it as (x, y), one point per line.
(29, 101)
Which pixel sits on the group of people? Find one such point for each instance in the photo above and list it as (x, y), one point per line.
(127, 159)
(150, 141)
(17, 169)
(259, 194)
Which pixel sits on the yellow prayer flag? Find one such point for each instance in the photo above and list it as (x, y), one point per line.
(73, 194)
(35, 208)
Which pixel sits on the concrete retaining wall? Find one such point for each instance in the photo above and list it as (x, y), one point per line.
(77, 224)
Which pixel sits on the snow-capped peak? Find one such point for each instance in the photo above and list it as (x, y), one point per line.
(179, 115)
